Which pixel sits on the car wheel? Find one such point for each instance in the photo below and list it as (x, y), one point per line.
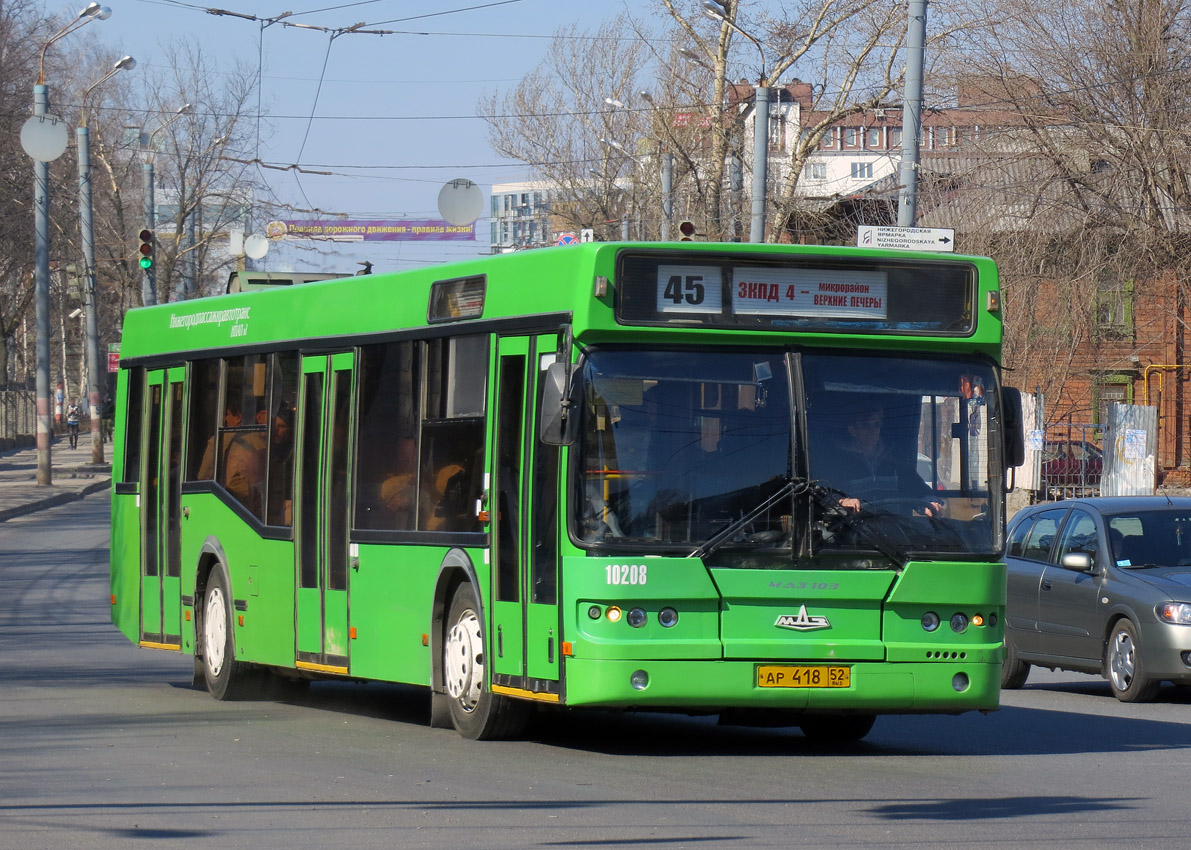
(476, 712)
(1014, 671)
(1124, 663)
(836, 729)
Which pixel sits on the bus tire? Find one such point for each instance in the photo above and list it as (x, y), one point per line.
(836, 728)
(226, 678)
(476, 712)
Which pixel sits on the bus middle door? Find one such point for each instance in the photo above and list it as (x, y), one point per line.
(161, 555)
(321, 523)
(524, 484)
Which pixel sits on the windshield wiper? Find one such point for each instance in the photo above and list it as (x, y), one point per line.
(720, 538)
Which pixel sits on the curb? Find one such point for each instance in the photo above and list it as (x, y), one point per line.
(54, 501)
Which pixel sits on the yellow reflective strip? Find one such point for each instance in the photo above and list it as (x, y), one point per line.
(524, 694)
(148, 644)
(321, 668)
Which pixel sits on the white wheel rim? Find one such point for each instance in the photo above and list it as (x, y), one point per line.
(1122, 663)
(463, 658)
(215, 630)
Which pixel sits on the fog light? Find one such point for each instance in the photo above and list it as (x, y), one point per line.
(636, 617)
(639, 680)
(960, 682)
(668, 617)
(594, 612)
(1186, 656)
(992, 620)
(930, 621)
(613, 614)
(959, 622)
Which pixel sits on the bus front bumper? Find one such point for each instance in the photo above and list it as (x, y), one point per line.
(943, 687)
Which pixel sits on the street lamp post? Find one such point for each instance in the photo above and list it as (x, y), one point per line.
(87, 233)
(149, 279)
(760, 128)
(42, 144)
(666, 163)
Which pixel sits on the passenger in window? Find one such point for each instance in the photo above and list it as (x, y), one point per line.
(449, 510)
(281, 466)
(865, 470)
(242, 462)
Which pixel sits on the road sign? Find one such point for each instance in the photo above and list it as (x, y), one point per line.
(906, 238)
(113, 357)
(587, 235)
(567, 239)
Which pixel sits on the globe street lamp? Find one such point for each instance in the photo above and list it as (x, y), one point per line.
(44, 138)
(87, 233)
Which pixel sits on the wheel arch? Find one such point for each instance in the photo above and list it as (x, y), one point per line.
(1115, 616)
(456, 569)
(211, 557)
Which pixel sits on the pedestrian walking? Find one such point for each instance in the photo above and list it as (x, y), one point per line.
(73, 413)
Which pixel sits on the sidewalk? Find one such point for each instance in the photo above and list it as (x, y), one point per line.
(73, 476)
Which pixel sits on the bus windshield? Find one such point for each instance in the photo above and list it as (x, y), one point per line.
(767, 456)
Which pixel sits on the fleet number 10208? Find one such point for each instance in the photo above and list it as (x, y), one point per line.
(626, 573)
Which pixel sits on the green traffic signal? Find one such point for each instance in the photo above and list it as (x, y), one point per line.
(146, 262)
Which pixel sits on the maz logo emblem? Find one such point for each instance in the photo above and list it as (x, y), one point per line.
(802, 621)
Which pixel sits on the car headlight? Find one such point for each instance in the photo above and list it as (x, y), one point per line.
(1178, 613)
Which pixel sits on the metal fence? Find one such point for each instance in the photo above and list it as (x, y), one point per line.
(18, 419)
(1071, 461)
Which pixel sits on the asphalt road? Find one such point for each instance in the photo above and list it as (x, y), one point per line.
(104, 745)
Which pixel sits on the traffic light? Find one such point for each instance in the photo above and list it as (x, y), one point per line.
(687, 229)
(146, 249)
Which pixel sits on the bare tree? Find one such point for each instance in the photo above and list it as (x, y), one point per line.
(22, 29)
(557, 121)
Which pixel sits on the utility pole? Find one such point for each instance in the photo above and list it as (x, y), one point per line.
(907, 207)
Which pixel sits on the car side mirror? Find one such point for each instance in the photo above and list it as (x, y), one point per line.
(1079, 562)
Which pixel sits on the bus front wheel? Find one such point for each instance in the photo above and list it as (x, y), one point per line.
(476, 712)
(226, 677)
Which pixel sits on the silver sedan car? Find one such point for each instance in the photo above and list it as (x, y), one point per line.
(1101, 585)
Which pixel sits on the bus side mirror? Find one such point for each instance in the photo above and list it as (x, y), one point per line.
(1013, 432)
(559, 414)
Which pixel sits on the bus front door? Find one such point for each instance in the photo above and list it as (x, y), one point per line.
(524, 521)
(321, 523)
(161, 482)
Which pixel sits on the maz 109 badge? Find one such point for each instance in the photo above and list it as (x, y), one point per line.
(817, 293)
(690, 289)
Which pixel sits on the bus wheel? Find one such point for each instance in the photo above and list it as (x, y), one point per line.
(476, 712)
(226, 677)
(834, 729)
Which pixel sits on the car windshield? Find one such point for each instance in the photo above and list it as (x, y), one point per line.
(1151, 539)
(702, 453)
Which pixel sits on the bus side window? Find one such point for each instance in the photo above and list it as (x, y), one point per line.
(204, 405)
(387, 457)
(452, 433)
(133, 420)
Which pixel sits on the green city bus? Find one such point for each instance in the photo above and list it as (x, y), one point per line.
(759, 481)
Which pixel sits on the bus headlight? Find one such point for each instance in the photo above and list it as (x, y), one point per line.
(930, 621)
(667, 618)
(636, 617)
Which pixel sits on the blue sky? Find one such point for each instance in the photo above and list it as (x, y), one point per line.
(393, 115)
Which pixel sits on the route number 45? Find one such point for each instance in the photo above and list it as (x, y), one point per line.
(688, 289)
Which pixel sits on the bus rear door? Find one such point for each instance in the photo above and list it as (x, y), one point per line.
(161, 556)
(524, 479)
(321, 524)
